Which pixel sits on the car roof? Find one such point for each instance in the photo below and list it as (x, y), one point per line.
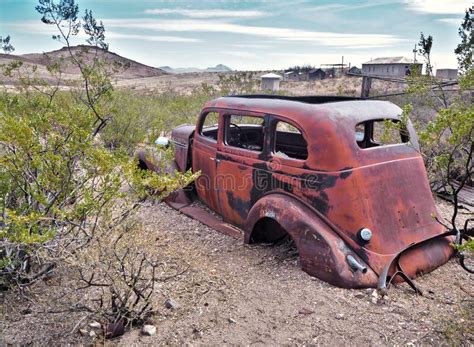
(305, 108)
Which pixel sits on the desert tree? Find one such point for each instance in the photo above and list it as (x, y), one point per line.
(425, 44)
(447, 140)
(7, 47)
(465, 47)
(96, 73)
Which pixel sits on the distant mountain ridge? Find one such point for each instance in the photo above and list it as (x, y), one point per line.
(131, 69)
(217, 68)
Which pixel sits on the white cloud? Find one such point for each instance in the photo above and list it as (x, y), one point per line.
(335, 7)
(240, 54)
(262, 45)
(439, 6)
(153, 38)
(33, 27)
(284, 34)
(453, 21)
(207, 13)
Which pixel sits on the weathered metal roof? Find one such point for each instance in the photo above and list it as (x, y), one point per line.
(271, 75)
(305, 108)
(390, 60)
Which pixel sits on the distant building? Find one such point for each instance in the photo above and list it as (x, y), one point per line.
(271, 81)
(290, 75)
(295, 76)
(354, 71)
(447, 74)
(316, 74)
(390, 67)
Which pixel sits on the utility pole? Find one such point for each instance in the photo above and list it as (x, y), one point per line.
(366, 85)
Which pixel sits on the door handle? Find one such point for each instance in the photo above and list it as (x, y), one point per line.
(215, 159)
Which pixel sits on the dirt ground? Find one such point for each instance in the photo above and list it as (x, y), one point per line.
(186, 83)
(236, 294)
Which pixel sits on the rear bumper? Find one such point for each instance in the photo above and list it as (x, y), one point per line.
(417, 259)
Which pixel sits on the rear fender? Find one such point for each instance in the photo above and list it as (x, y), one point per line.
(322, 252)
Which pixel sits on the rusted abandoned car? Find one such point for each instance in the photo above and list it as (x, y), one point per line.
(360, 211)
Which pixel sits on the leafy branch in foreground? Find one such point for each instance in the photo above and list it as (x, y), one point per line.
(65, 197)
(447, 141)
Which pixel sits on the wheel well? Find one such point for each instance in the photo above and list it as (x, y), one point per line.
(268, 230)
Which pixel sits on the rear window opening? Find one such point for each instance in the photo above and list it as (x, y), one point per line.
(381, 132)
(289, 142)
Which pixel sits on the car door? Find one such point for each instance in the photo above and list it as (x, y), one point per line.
(241, 160)
(204, 157)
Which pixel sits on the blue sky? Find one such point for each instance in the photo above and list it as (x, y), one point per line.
(253, 34)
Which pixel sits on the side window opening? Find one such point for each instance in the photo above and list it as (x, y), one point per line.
(289, 142)
(382, 132)
(244, 132)
(210, 125)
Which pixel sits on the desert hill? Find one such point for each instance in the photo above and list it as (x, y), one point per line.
(127, 68)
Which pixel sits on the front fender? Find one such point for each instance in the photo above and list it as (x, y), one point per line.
(322, 252)
(153, 160)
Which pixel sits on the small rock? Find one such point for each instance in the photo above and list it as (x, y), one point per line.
(26, 311)
(84, 332)
(171, 304)
(149, 330)
(305, 311)
(375, 296)
(95, 325)
(232, 321)
(340, 316)
(359, 295)
(92, 334)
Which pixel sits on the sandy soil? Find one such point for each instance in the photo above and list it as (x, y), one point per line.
(186, 83)
(233, 293)
(181, 83)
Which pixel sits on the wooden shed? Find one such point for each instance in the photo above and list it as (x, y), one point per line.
(354, 71)
(447, 74)
(316, 74)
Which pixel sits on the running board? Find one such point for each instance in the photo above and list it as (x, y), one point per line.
(211, 221)
(182, 200)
